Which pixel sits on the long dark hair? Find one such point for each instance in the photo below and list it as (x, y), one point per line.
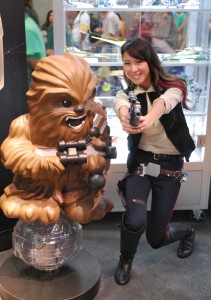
(47, 22)
(140, 48)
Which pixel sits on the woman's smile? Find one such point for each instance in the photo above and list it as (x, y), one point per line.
(137, 71)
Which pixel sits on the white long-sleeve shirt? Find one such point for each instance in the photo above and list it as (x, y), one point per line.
(153, 139)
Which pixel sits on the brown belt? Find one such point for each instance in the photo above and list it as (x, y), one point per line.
(171, 173)
(158, 156)
(165, 172)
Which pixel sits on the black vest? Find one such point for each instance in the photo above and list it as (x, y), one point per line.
(174, 124)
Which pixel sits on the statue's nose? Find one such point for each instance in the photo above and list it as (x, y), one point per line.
(79, 109)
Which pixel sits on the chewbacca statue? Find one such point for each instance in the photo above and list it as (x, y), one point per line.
(60, 151)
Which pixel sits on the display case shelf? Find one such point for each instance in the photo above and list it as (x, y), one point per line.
(131, 6)
(134, 9)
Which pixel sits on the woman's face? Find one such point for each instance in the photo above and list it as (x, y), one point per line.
(50, 18)
(137, 71)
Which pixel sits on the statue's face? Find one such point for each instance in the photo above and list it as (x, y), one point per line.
(62, 117)
(64, 107)
(76, 113)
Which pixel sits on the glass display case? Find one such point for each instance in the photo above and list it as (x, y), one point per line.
(180, 33)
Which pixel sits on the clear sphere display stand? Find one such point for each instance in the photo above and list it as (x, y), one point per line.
(49, 263)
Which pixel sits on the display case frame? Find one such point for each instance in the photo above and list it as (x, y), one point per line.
(194, 194)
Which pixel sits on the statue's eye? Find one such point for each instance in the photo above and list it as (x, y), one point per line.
(66, 103)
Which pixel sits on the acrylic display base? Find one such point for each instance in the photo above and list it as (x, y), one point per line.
(78, 279)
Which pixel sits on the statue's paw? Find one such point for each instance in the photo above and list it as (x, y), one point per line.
(49, 211)
(88, 210)
(10, 206)
(102, 208)
(45, 211)
(109, 204)
(29, 212)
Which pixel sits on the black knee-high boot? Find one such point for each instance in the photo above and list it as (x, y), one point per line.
(128, 244)
(183, 233)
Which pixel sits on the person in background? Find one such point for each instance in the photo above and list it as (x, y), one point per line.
(141, 25)
(35, 47)
(134, 29)
(165, 33)
(31, 11)
(110, 30)
(145, 26)
(46, 25)
(181, 20)
(80, 31)
(93, 25)
(122, 28)
(50, 38)
(158, 142)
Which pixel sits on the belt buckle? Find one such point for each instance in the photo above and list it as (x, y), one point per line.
(156, 156)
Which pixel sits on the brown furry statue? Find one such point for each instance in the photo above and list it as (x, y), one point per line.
(60, 151)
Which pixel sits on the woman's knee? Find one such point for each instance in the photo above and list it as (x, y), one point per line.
(154, 241)
(135, 216)
(134, 224)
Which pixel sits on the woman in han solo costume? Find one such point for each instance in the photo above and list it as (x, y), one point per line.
(158, 141)
(59, 152)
